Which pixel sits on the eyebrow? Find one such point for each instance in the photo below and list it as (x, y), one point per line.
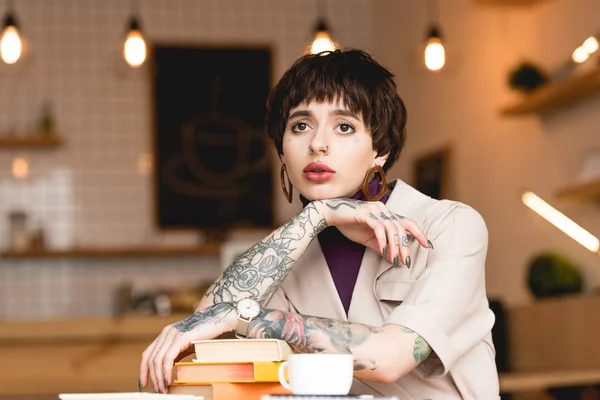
(339, 112)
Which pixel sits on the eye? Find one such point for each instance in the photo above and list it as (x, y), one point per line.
(345, 128)
(300, 127)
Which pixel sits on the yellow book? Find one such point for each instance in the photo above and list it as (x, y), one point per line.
(257, 371)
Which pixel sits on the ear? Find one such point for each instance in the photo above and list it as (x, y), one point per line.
(381, 160)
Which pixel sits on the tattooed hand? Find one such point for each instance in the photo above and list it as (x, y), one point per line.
(372, 224)
(174, 343)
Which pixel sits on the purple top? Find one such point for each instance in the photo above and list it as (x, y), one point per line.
(344, 256)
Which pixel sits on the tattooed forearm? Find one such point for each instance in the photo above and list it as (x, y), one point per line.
(260, 270)
(307, 334)
(365, 365)
(378, 352)
(213, 314)
(421, 349)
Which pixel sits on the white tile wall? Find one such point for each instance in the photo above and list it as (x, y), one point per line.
(90, 191)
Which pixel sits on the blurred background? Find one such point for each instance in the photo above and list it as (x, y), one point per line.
(134, 168)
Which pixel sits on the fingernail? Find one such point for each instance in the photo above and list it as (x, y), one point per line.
(140, 386)
(408, 262)
(385, 252)
(396, 261)
(430, 244)
(166, 385)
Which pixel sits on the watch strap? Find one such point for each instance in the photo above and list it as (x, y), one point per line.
(241, 331)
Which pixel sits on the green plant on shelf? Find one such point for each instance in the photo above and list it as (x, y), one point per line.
(551, 274)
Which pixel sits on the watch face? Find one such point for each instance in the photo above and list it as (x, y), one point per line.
(249, 308)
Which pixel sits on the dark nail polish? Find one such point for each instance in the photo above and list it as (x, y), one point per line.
(385, 252)
(408, 262)
(140, 386)
(166, 385)
(430, 244)
(396, 261)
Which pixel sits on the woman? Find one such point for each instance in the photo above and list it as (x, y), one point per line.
(415, 318)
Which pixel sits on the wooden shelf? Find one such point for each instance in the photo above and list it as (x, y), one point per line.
(556, 95)
(29, 141)
(510, 3)
(114, 252)
(582, 191)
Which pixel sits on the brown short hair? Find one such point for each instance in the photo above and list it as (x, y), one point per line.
(352, 76)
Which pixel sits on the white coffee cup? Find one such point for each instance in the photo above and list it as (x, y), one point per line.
(318, 374)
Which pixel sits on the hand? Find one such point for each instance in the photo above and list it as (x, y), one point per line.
(174, 342)
(372, 224)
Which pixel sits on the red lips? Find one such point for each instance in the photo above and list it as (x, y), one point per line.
(317, 167)
(318, 172)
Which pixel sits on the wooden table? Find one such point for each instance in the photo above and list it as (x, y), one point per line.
(82, 355)
(562, 384)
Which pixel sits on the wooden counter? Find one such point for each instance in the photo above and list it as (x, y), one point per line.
(78, 355)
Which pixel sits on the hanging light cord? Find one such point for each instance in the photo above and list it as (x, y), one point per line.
(432, 12)
(322, 9)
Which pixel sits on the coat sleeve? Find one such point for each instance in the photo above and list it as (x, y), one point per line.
(447, 306)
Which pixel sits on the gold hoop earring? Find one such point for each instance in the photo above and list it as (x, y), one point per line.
(365, 185)
(288, 193)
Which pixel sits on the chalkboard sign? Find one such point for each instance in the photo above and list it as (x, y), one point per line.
(212, 158)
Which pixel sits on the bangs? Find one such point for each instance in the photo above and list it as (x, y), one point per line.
(331, 78)
(329, 89)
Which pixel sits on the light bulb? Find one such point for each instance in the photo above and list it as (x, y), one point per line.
(322, 42)
(435, 54)
(580, 55)
(20, 168)
(11, 45)
(590, 45)
(134, 49)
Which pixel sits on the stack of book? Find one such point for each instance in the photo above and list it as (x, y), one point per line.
(226, 369)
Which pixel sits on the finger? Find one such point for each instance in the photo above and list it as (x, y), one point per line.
(151, 362)
(411, 226)
(394, 241)
(144, 364)
(157, 361)
(379, 230)
(385, 216)
(179, 346)
(403, 248)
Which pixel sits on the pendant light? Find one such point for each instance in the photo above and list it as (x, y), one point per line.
(322, 40)
(11, 41)
(583, 52)
(134, 47)
(435, 53)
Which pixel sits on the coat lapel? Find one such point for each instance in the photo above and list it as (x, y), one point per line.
(310, 286)
(364, 307)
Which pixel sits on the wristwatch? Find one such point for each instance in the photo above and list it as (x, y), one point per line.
(247, 310)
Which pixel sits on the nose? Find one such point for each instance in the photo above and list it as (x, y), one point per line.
(322, 149)
(318, 144)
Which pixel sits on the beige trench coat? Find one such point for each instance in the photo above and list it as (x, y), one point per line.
(442, 297)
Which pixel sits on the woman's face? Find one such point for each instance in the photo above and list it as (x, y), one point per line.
(327, 150)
